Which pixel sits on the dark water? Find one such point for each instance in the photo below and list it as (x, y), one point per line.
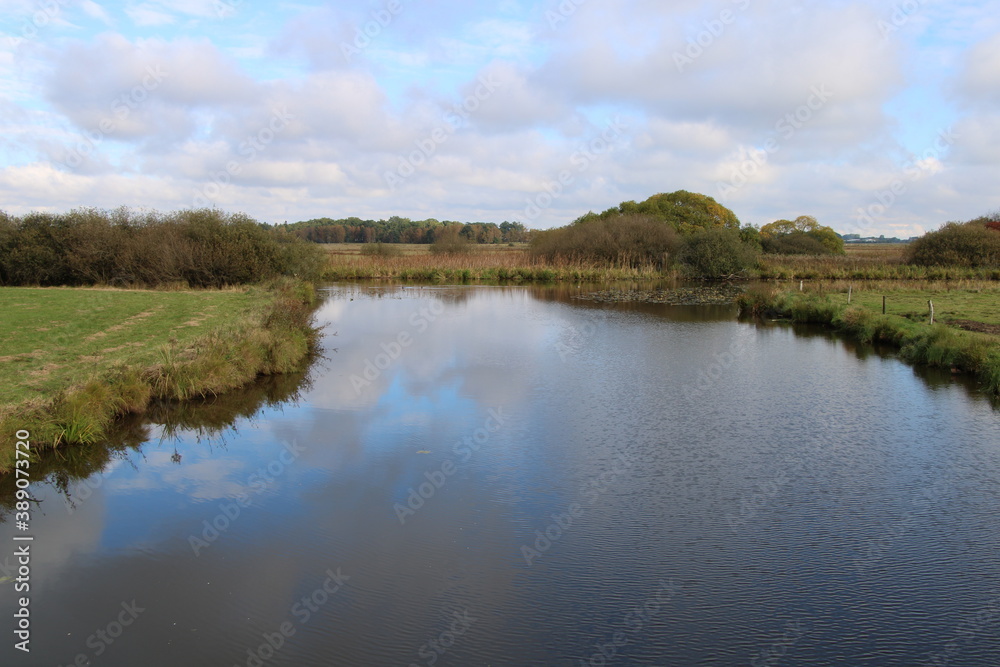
(525, 479)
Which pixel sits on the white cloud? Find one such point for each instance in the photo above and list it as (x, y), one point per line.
(353, 120)
(145, 15)
(94, 10)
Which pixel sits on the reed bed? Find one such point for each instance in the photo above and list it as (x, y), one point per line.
(477, 264)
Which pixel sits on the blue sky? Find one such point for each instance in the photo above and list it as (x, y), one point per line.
(875, 117)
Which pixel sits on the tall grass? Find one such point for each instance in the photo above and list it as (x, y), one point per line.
(475, 264)
(864, 262)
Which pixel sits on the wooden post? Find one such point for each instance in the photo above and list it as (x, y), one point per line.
(850, 288)
(801, 285)
(883, 305)
(931, 304)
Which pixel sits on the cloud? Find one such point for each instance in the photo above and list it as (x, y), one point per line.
(92, 116)
(979, 82)
(146, 15)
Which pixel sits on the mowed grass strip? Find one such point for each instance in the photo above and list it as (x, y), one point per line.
(52, 338)
(964, 300)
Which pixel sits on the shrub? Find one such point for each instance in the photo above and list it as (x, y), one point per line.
(802, 236)
(970, 244)
(448, 240)
(202, 248)
(716, 253)
(381, 250)
(796, 243)
(620, 240)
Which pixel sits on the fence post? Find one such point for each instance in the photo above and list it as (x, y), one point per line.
(931, 304)
(850, 289)
(883, 305)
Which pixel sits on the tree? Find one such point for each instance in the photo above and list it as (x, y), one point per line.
(717, 252)
(972, 243)
(787, 235)
(685, 211)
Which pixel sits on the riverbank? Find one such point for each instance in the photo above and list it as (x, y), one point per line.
(515, 264)
(76, 359)
(958, 339)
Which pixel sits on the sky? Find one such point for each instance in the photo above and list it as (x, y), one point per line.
(878, 117)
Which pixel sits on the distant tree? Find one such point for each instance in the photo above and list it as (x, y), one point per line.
(789, 234)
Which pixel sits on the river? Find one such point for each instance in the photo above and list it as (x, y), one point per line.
(510, 476)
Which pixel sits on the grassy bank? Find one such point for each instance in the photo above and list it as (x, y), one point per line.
(906, 323)
(75, 359)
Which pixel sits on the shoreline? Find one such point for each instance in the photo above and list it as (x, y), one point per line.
(934, 345)
(274, 336)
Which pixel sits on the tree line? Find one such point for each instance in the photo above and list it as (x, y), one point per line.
(404, 230)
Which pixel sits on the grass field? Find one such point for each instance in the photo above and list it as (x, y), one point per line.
(74, 359)
(51, 337)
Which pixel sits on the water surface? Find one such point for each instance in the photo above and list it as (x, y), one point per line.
(509, 476)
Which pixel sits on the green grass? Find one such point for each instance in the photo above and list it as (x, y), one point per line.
(50, 337)
(905, 326)
(74, 360)
(979, 304)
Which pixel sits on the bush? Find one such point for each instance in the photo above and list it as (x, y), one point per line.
(971, 244)
(202, 248)
(381, 250)
(448, 240)
(621, 240)
(802, 236)
(716, 253)
(796, 243)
